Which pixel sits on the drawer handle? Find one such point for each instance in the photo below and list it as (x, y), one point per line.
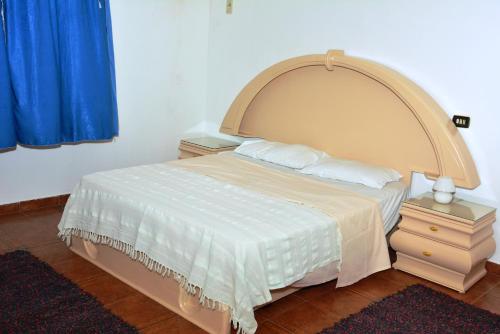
(426, 253)
(433, 228)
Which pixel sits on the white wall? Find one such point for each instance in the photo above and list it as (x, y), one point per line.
(161, 88)
(450, 48)
(167, 86)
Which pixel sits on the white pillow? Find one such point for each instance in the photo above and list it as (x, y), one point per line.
(251, 148)
(291, 155)
(353, 171)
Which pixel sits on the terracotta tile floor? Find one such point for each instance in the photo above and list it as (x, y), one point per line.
(306, 311)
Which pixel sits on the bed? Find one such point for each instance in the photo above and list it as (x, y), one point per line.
(213, 237)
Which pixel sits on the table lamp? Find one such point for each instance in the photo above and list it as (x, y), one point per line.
(444, 189)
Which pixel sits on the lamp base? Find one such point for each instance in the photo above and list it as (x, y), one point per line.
(443, 197)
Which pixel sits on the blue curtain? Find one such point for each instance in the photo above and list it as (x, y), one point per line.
(7, 126)
(61, 64)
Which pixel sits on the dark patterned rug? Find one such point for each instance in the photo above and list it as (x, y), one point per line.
(418, 309)
(36, 299)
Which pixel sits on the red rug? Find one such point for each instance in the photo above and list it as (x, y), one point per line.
(36, 299)
(418, 310)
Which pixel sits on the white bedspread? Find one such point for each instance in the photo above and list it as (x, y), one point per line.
(234, 244)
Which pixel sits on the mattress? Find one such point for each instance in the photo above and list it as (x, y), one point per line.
(389, 198)
(231, 243)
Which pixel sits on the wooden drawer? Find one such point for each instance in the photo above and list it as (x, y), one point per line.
(454, 280)
(187, 150)
(444, 255)
(453, 234)
(186, 154)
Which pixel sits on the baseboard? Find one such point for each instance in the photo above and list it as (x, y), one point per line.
(35, 204)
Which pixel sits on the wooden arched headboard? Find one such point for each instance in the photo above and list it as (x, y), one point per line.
(355, 109)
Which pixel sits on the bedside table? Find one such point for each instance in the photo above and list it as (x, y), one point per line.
(444, 243)
(195, 147)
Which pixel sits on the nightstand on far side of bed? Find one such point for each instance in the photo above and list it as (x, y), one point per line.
(444, 243)
(195, 147)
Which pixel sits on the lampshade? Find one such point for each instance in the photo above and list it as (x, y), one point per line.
(444, 184)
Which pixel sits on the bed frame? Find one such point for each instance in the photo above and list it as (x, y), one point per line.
(349, 107)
